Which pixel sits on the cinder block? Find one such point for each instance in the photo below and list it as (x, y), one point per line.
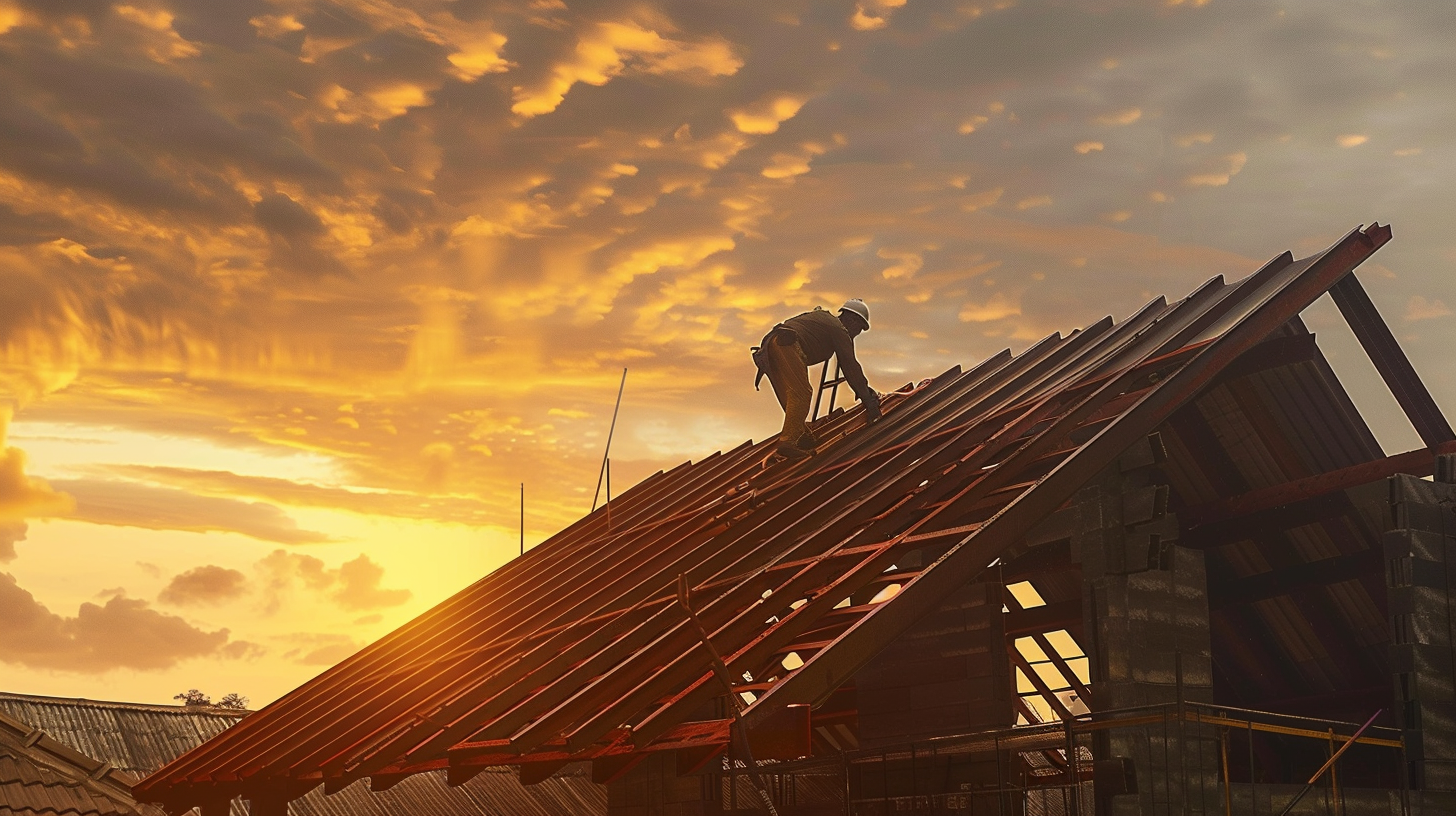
(1144, 504)
(1419, 543)
(1405, 488)
(1422, 659)
(1440, 775)
(1410, 515)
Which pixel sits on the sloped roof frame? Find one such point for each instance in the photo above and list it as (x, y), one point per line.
(627, 657)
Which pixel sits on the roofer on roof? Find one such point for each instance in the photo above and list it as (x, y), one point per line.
(805, 340)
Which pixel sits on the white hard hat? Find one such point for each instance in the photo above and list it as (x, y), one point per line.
(858, 307)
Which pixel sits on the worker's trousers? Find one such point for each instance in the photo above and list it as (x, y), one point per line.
(788, 373)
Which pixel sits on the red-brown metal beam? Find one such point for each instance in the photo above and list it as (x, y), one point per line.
(1390, 360)
(1292, 579)
(1420, 462)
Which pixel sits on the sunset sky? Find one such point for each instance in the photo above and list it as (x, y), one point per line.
(294, 295)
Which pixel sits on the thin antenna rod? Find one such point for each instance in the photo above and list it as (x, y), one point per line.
(523, 518)
(609, 495)
(610, 430)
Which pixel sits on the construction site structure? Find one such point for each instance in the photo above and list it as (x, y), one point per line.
(1158, 565)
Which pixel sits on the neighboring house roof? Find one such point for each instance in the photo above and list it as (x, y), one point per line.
(578, 649)
(42, 775)
(83, 757)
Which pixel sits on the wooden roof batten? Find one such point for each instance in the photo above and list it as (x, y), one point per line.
(599, 664)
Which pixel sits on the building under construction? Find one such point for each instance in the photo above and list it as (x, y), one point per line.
(1155, 566)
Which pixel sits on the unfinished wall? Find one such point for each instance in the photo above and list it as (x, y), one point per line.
(1420, 553)
(1145, 615)
(947, 674)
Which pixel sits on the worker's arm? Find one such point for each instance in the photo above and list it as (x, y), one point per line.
(854, 374)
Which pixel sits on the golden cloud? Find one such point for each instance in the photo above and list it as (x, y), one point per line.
(353, 586)
(1232, 164)
(765, 115)
(123, 633)
(998, 307)
(873, 14)
(607, 49)
(1419, 308)
(22, 496)
(1125, 116)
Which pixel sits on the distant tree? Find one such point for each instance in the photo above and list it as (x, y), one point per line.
(193, 697)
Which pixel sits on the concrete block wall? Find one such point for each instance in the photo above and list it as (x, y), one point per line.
(1420, 560)
(949, 673)
(653, 788)
(1146, 624)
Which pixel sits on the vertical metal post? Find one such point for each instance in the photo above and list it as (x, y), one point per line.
(523, 518)
(738, 729)
(610, 430)
(1000, 780)
(914, 783)
(1228, 792)
(1333, 792)
(1182, 728)
(844, 760)
(1404, 773)
(834, 391)
(1253, 793)
(1072, 782)
(819, 392)
(609, 493)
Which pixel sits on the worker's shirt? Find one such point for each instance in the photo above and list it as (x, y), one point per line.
(821, 335)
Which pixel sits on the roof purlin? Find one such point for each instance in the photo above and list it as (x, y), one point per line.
(965, 561)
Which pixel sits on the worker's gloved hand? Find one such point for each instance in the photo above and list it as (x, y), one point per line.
(872, 408)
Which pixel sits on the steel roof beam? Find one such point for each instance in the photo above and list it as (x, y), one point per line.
(1390, 360)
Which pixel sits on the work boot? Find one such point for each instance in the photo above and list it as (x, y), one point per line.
(807, 442)
(790, 453)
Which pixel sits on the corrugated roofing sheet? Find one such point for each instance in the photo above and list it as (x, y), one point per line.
(140, 738)
(578, 650)
(42, 775)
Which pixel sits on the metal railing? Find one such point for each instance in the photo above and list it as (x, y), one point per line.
(1188, 759)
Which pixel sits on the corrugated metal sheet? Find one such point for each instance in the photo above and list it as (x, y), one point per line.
(578, 650)
(134, 737)
(141, 738)
(42, 775)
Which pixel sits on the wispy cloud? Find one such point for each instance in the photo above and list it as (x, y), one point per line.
(129, 504)
(123, 633)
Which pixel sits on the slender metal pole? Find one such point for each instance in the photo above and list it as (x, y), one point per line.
(523, 518)
(1072, 781)
(610, 430)
(819, 392)
(609, 494)
(1000, 782)
(834, 390)
(720, 670)
(1321, 772)
(1253, 790)
(1228, 793)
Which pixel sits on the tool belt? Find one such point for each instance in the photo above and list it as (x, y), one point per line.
(780, 334)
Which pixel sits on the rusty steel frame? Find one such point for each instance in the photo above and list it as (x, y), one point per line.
(594, 660)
